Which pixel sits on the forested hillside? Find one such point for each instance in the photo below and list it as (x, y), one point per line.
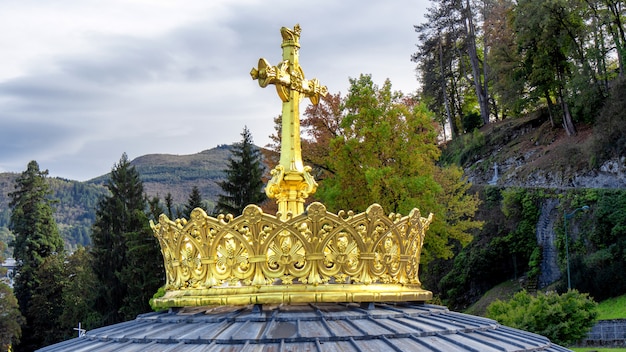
(161, 174)
(177, 174)
(531, 97)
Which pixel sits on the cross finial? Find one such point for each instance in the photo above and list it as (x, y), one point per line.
(81, 332)
(291, 181)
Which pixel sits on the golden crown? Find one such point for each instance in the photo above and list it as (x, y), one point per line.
(317, 256)
(297, 256)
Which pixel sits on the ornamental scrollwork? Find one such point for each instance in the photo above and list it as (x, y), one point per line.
(313, 248)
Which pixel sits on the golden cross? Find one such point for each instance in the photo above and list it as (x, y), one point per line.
(291, 181)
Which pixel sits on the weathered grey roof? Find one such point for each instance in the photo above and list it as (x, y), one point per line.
(312, 327)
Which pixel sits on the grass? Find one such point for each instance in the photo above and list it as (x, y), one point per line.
(612, 308)
(503, 292)
(595, 349)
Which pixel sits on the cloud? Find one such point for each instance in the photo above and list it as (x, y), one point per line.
(87, 81)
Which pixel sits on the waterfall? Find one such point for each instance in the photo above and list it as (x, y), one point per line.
(494, 179)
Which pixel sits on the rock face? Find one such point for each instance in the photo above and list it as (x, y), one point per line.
(546, 237)
(529, 153)
(611, 174)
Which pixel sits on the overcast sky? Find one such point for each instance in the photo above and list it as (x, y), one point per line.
(83, 81)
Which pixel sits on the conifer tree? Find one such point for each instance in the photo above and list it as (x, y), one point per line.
(244, 184)
(169, 204)
(36, 238)
(127, 261)
(194, 201)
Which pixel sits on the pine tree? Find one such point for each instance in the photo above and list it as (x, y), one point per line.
(127, 261)
(244, 184)
(36, 238)
(194, 201)
(169, 204)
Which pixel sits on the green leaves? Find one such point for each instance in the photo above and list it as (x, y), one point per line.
(564, 319)
(384, 151)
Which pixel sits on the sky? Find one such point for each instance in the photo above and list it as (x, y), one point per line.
(84, 81)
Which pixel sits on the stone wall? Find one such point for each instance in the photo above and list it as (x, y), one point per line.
(607, 333)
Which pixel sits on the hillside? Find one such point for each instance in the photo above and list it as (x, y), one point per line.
(177, 174)
(160, 173)
(529, 152)
(537, 173)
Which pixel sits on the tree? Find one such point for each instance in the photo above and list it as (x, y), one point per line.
(169, 205)
(47, 301)
(385, 152)
(10, 317)
(449, 41)
(36, 238)
(244, 184)
(509, 83)
(437, 61)
(321, 123)
(78, 294)
(124, 249)
(547, 37)
(480, 78)
(194, 201)
(564, 319)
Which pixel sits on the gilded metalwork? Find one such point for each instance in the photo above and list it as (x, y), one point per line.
(316, 256)
(295, 256)
(291, 181)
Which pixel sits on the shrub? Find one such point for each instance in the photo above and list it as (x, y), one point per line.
(564, 319)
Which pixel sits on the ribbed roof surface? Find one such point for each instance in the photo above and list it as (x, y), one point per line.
(313, 327)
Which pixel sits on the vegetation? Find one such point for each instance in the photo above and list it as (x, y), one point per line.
(12, 318)
(194, 201)
(74, 210)
(36, 240)
(244, 178)
(501, 59)
(502, 250)
(126, 256)
(564, 319)
(598, 247)
(399, 173)
(503, 291)
(612, 308)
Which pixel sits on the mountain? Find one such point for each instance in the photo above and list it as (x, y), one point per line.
(177, 174)
(161, 174)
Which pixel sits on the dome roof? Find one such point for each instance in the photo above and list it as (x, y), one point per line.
(308, 327)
